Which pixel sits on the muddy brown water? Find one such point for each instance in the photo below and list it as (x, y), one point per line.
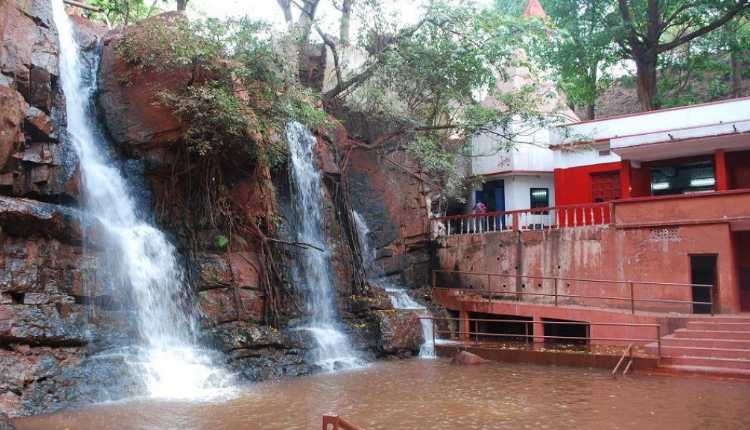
(433, 394)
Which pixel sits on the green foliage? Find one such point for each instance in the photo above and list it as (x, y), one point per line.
(580, 50)
(221, 242)
(121, 12)
(435, 75)
(241, 92)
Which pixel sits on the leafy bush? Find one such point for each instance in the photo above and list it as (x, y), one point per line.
(242, 90)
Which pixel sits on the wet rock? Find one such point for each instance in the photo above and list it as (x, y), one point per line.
(5, 423)
(13, 109)
(230, 304)
(79, 380)
(400, 331)
(213, 271)
(40, 126)
(59, 324)
(25, 217)
(245, 335)
(244, 267)
(465, 358)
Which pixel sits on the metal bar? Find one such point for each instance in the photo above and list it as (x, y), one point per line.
(545, 322)
(576, 296)
(658, 344)
(611, 339)
(611, 281)
(555, 291)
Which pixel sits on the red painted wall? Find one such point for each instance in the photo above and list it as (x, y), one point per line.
(573, 185)
(738, 167)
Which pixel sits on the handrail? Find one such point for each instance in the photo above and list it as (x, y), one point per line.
(628, 352)
(631, 284)
(559, 278)
(469, 333)
(338, 423)
(518, 211)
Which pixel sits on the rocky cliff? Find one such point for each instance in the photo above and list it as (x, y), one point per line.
(61, 330)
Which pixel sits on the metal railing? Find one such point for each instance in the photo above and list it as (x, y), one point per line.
(512, 290)
(335, 422)
(525, 219)
(469, 335)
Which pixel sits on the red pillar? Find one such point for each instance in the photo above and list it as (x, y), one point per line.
(625, 179)
(720, 171)
(464, 326)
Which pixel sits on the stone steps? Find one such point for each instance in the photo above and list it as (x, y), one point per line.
(717, 346)
(718, 325)
(712, 334)
(704, 352)
(704, 343)
(724, 363)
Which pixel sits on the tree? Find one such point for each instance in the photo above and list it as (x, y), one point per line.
(645, 29)
(122, 12)
(426, 76)
(581, 51)
(182, 5)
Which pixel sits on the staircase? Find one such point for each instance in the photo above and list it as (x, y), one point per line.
(716, 346)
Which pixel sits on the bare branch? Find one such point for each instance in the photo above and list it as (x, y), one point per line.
(731, 13)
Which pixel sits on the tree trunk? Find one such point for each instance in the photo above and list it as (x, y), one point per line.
(590, 111)
(736, 74)
(346, 15)
(646, 69)
(181, 5)
(286, 8)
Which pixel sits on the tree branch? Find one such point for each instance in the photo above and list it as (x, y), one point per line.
(731, 13)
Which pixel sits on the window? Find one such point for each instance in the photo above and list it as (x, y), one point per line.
(683, 178)
(539, 198)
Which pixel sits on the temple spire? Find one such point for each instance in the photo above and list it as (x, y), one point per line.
(534, 9)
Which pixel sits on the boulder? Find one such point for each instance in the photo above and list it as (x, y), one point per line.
(13, 110)
(245, 335)
(25, 217)
(464, 358)
(400, 331)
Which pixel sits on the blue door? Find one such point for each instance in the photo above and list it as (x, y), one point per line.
(500, 203)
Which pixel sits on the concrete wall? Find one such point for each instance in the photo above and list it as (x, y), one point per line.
(647, 254)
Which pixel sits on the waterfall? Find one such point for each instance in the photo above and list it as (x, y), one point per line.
(139, 256)
(400, 298)
(313, 270)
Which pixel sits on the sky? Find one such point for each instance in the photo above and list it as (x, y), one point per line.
(268, 10)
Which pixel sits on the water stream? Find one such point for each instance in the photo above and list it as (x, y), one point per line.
(400, 298)
(313, 271)
(139, 256)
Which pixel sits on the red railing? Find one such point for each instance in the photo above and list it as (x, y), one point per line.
(335, 422)
(628, 293)
(525, 219)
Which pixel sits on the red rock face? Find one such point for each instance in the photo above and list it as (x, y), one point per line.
(387, 192)
(12, 112)
(128, 95)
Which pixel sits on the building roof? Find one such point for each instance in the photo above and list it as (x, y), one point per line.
(534, 9)
(684, 131)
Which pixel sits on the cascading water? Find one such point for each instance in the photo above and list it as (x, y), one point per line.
(171, 364)
(313, 271)
(400, 298)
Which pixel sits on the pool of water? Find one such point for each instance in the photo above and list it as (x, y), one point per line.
(433, 394)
